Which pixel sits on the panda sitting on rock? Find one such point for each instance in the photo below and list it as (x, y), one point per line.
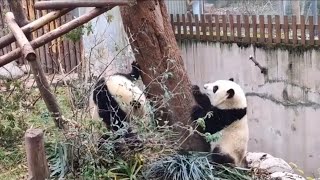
(227, 103)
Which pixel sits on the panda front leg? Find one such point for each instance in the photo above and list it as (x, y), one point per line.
(203, 104)
(201, 98)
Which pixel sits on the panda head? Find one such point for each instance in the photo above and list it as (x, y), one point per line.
(225, 94)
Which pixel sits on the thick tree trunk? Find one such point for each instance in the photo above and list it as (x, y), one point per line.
(159, 56)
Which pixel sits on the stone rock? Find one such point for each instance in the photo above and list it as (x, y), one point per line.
(25, 68)
(10, 71)
(285, 176)
(267, 162)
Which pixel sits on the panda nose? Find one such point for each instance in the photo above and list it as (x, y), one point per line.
(205, 86)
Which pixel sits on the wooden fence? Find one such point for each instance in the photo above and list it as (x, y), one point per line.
(58, 53)
(247, 29)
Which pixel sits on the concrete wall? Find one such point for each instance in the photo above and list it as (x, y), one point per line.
(283, 106)
(107, 46)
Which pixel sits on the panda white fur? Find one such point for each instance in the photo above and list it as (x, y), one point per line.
(115, 98)
(227, 102)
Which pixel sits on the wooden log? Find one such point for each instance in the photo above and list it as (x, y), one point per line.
(210, 27)
(178, 27)
(63, 29)
(246, 29)
(224, 28)
(196, 17)
(239, 33)
(278, 30)
(254, 28)
(190, 26)
(261, 28)
(203, 27)
(9, 38)
(270, 29)
(216, 19)
(294, 30)
(303, 30)
(286, 29)
(41, 5)
(40, 78)
(23, 42)
(36, 158)
(231, 25)
(311, 31)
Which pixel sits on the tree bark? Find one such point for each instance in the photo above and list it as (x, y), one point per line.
(159, 56)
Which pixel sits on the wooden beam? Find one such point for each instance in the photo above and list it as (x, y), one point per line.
(9, 38)
(22, 40)
(63, 29)
(40, 78)
(41, 5)
(36, 157)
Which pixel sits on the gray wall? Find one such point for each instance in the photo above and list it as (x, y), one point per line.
(283, 107)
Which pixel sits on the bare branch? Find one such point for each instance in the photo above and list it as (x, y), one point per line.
(263, 69)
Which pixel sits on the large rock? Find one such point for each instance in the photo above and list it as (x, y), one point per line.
(285, 176)
(25, 68)
(267, 162)
(10, 71)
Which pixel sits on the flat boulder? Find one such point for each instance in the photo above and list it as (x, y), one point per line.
(285, 176)
(267, 162)
(10, 71)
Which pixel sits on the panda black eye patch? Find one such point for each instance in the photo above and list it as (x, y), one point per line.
(230, 93)
(215, 89)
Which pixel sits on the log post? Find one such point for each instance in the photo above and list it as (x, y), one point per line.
(36, 157)
(41, 5)
(63, 29)
(42, 83)
(38, 23)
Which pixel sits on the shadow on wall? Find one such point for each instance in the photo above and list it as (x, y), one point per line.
(283, 106)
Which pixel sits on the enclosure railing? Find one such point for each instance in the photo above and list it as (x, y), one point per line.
(247, 29)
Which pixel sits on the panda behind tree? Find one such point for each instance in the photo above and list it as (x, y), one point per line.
(115, 98)
(227, 103)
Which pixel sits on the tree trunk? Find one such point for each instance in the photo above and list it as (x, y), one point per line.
(159, 56)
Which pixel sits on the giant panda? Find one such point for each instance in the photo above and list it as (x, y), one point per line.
(227, 102)
(115, 98)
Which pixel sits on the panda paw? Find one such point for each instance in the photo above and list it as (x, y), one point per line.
(195, 90)
(135, 104)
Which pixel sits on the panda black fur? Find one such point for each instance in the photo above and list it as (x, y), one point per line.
(227, 102)
(115, 96)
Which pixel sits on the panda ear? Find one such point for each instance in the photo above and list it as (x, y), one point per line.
(230, 93)
(231, 79)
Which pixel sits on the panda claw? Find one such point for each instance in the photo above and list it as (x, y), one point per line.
(135, 104)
